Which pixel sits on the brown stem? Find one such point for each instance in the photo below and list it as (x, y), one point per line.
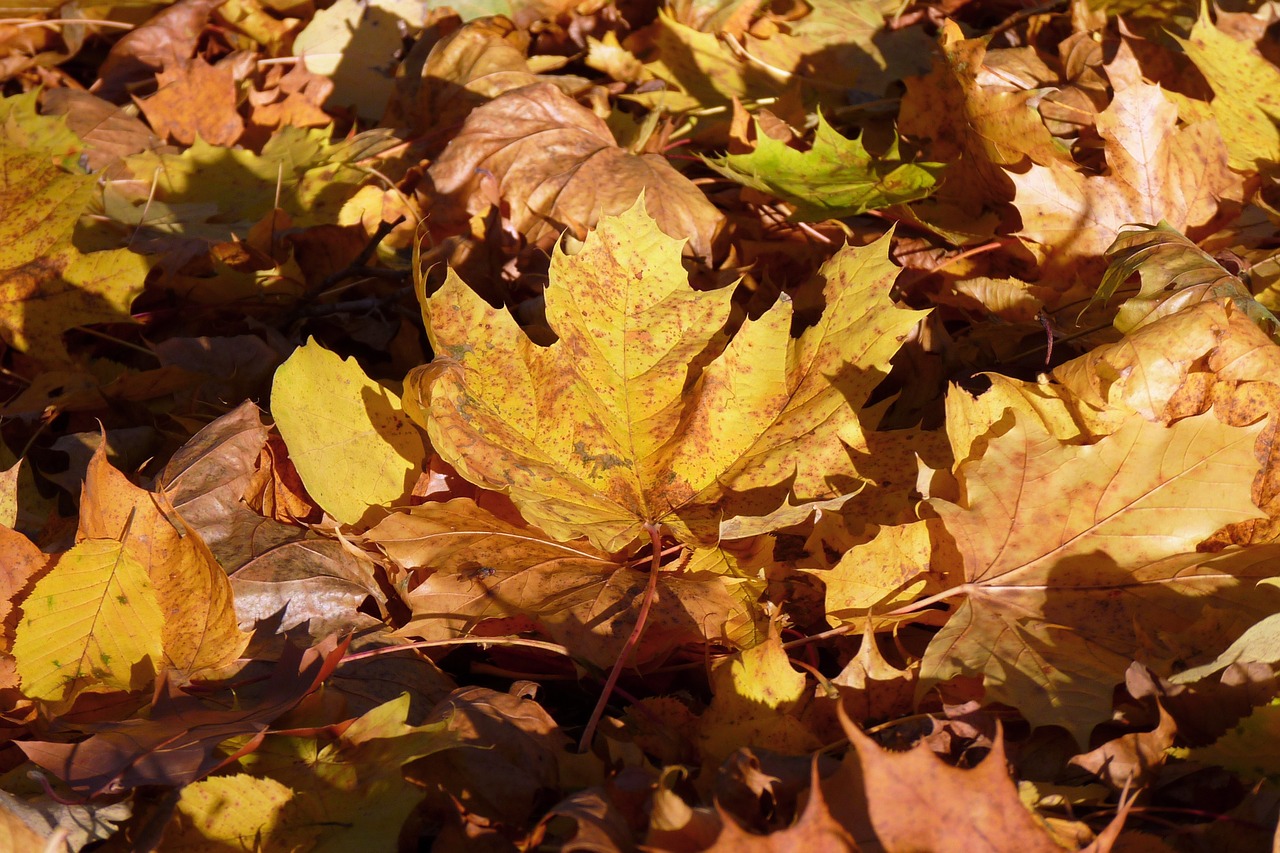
(650, 593)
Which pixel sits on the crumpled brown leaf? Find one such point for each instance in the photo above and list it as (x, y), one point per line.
(557, 166)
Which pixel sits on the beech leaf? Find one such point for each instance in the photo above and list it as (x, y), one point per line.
(200, 629)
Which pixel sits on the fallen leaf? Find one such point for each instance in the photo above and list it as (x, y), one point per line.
(596, 435)
(1077, 577)
(756, 697)
(557, 165)
(176, 744)
(836, 177)
(484, 569)
(816, 829)
(881, 798)
(195, 100)
(240, 810)
(1132, 760)
(1158, 171)
(47, 285)
(973, 127)
(167, 38)
(1246, 89)
(93, 622)
(193, 592)
(353, 447)
(353, 786)
(1248, 749)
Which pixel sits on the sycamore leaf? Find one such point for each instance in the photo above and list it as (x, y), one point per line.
(1246, 89)
(352, 445)
(837, 177)
(200, 629)
(973, 127)
(1078, 560)
(557, 165)
(1157, 171)
(612, 427)
(47, 285)
(486, 570)
(1174, 272)
(914, 801)
(755, 697)
(92, 623)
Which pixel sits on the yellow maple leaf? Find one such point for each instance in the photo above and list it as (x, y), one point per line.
(614, 426)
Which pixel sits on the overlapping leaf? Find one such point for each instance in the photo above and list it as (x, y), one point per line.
(1158, 171)
(1077, 560)
(491, 576)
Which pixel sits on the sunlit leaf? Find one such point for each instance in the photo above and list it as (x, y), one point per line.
(92, 623)
(351, 444)
(596, 435)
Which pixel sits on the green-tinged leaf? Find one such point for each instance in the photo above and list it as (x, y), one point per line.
(212, 192)
(352, 445)
(24, 127)
(1175, 273)
(1251, 750)
(1259, 644)
(350, 787)
(91, 623)
(836, 177)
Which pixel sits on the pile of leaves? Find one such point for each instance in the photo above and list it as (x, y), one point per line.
(699, 425)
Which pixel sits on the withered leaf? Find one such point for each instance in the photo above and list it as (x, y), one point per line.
(557, 165)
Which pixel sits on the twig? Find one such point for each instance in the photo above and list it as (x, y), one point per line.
(650, 593)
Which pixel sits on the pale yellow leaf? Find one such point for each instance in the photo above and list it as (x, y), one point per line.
(91, 623)
(347, 436)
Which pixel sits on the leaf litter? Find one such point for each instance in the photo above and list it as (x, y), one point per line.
(659, 426)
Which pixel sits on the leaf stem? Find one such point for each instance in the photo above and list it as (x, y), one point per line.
(650, 593)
